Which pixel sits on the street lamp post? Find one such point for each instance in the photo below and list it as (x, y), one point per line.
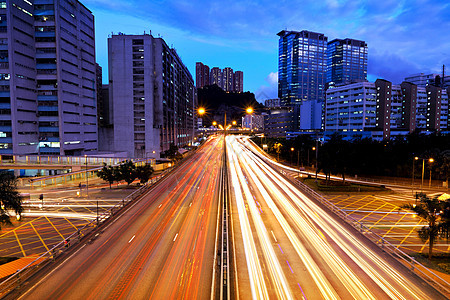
(86, 174)
(292, 152)
(423, 170)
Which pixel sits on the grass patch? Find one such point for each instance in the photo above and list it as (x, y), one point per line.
(439, 262)
(334, 186)
(4, 260)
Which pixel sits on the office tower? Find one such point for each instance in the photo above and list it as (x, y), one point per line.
(302, 74)
(272, 103)
(201, 75)
(48, 56)
(152, 95)
(238, 81)
(346, 61)
(227, 76)
(216, 77)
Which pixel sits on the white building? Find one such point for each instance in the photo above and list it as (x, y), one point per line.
(386, 109)
(47, 78)
(253, 122)
(152, 96)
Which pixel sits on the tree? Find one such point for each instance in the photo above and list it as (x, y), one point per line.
(9, 197)
(144, 172)
(107, 174)
(127, 171)
(429, 209)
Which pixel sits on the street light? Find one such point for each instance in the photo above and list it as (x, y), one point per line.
(201, 111)
(430, 160)
(214, 123)
(292, 152)
(86, 174)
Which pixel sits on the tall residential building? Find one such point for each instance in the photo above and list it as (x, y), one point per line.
(216, 77)
(152, 95)
(48, 78)
(346, 61)
(228, 82)
(422, 80)
(201, 75)
(385, 109)
(226, 79)
(302, 75)
(238, 81)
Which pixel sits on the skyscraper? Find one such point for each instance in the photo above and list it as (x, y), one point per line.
(201, 75)
(48, 76)
(302, 74)
(346, 61)
(152, 95)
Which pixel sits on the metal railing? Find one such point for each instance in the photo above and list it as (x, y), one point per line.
(380, 241)
(15, 280)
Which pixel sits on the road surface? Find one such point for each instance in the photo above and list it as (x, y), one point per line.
(288, 247)
(161, 247)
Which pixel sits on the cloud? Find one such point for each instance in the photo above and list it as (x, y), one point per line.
(403, 36)
(270, 91)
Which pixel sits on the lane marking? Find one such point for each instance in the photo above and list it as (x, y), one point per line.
(160, 205)
(131, 239)
(290, 267)
(48, 275)
(175, 237)
(190, 204)
(274, 237)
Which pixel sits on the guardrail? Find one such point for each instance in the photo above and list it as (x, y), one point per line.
(385, 245)
(15, 280)
(58, 160)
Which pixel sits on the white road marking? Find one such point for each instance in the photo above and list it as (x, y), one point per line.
(175, 237)
(131, 239)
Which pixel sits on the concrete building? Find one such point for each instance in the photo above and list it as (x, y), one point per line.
(226, 79)
(302, 74)
(48, 75)
(238, 82)
(272, 103)
(152, 96)
(216, 77)
(385, 109)
(253, 122)
(201, 75)
(278, 121)
(346, 61)
(422, 80)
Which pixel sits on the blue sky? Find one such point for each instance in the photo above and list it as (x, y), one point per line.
(404, 36)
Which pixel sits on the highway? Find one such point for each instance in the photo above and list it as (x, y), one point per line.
(288, 247)
(163, 246)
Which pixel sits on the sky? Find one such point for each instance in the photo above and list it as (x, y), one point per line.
(404, 37)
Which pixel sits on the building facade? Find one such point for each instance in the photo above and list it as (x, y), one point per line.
(385, 109)
(253, 122)
(422, 80)
(346, 61)
(48, 78)
(302, 75)
(226, 79)
(201, 75)
(278, 122)
(152, 96)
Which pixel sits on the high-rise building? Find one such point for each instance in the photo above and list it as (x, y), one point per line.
(226, 79)
(238, 81)
(228, 82)
(216, 77)
(152, 95)
(422, 80)
(302, 74)
(48, 78)
(201, 75)
(346, 61)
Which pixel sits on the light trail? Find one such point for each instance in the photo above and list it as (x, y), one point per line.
(358, 270)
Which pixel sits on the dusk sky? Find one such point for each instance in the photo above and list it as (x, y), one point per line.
(403, 37)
